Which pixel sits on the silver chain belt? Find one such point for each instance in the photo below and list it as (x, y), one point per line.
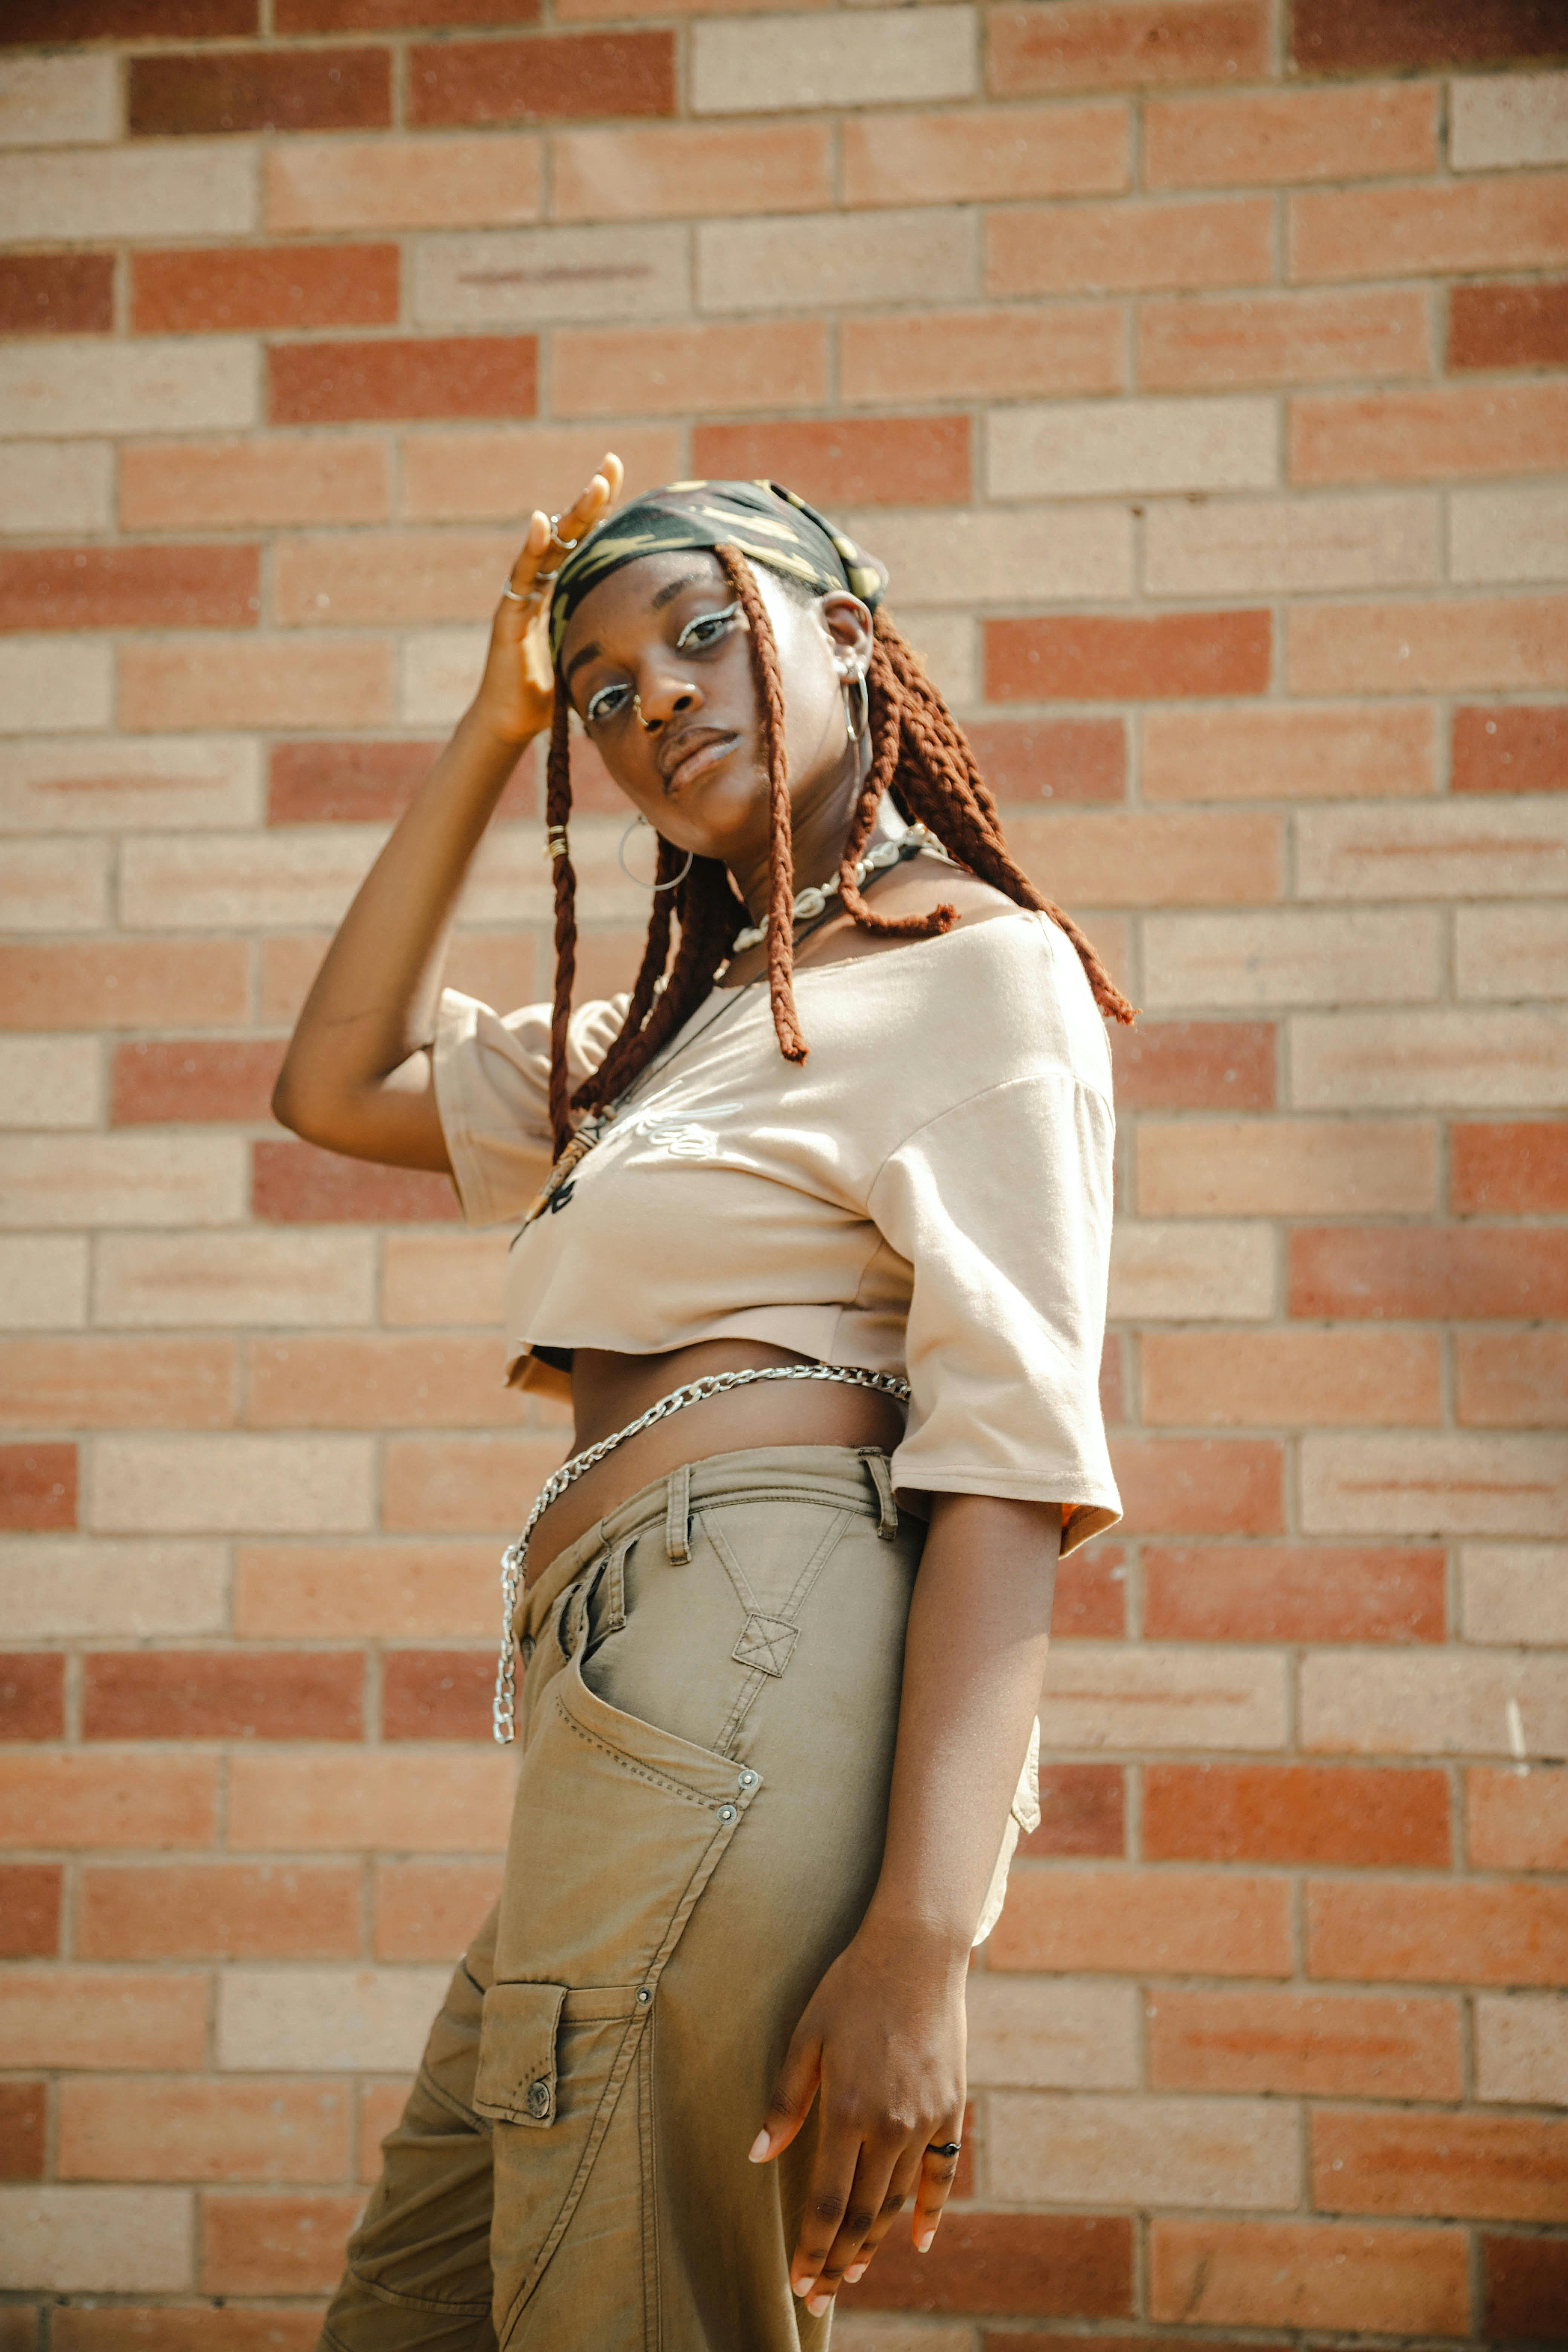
(504, 1712)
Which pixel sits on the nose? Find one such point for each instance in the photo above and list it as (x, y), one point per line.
(667, 698)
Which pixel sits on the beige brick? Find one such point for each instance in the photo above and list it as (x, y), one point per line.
(123, 2018)
(172, 2127)
(1000, 354)
(875, 2331)
(1511, 951)
(1522, 2047)
(233, 1485)
(1514, 1593)
(1158, 856)
(482, 181)
(473, 475)
(971, 155)
(1288, 751)
(438, 670)
(115, 2240)
(442, 1278)
(61, 1588)
(66, 784)
(1049, 2147)
(92, 383)
(395, 577)
(148, 1281)
(1021, 555)
(669, 371)
(949, 645)
(1504, 849)
(1290, 135)
(1430, 1702)
(43, 1283)
(1507, 121)
(326, 2020)
(417, 1798)
(1051, 2033)
(1281, 339)
(1286, 1167)
(1428, 648)
(345, 1380)
(879, 57)
(1103, 448)
(324, 1592)
(1291, 1379)
(246, 880)
(217, 681)
(1290, 956)
(528, 277)
(1432, 1059)
(508, 884)
(1128, 248)
(55, 886)
(1175, 1272)
(102, 1797)
(66, 486)
(204, 485)
(1436, 228)
(48, 101)
(48, 1082)
(1108, 1695)
(47, 683)
(1453, 1485)
(822, 260)
(122, 1179)
(1509, 536)
(671, 171)
(1248, 546)
(130, 192)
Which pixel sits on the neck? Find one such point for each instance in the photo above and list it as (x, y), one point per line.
(818, 834)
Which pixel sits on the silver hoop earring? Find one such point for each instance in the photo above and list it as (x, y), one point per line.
(641, 881)
(852, 728)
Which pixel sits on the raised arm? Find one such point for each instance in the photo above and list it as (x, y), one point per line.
(357, 1076)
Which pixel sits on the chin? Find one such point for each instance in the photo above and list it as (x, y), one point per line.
(722, 814)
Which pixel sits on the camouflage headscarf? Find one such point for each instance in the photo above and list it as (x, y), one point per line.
(767, 523)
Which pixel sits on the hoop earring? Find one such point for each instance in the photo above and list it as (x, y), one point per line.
(853, 730)
(621, 860)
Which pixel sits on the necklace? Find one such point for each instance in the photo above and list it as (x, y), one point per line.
(814, 901)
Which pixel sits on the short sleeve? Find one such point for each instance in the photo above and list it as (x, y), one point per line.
(493, 1094)
(1003, 1206)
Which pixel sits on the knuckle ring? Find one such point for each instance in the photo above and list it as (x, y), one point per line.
(508, 590)
(943, 2148)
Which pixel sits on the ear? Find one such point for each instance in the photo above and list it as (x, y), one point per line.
(847, 625)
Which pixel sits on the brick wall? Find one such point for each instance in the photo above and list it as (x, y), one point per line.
(1192, 366)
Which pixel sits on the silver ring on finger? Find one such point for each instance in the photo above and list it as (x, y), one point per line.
(508, 590)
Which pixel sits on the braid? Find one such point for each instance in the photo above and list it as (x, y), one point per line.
(780, 847)
(557, 812)
(602, 1084)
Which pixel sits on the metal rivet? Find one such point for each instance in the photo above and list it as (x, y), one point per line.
(644, 1993)
(748, 1779)
(539, 2098)
(726, 1813)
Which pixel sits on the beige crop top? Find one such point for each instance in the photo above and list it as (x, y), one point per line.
(929, 1193)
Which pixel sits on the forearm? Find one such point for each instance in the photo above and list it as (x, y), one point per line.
(974, 1659)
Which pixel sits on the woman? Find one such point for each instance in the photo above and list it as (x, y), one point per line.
(770, 1780)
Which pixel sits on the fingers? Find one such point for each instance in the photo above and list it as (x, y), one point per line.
(793, 2095)
(546, 544)
(937, 2175)
(906, 2173)
(845, 2219)
(597, 495)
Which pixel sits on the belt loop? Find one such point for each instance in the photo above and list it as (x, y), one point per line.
(616, 1586)
(881, 1478)
(678, 1518)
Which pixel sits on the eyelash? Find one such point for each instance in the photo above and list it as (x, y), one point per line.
(595, 714)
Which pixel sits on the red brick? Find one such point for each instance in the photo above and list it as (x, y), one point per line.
(849, 461)
(1508, 326)
(128, 20)
(1296, 1813)
(66, 1797)
(1091, 1596)
(1104, 657)
(193, 1078)
(1526, 2288)
(129, 588)
(37, 1486)
(1496, 2167)
(1088, 44)
(1076, 2266)
(220, 1911)
(24, 2124)
(1429, 432)
(429, 376)
(397, 16)
(1311, 2274)
(431, 1910)
(326, 783)
(1508, 220)
(1201, 1485)
(179, 2127)
(1154, 1923)
(1195, 1065)
(57, 293)
(552, 79)
(195, 2327)
(30, 1910)
(382, 1380)
(1519, 747)
(1335, 2044)
(250, 287)
(1510, 1379)
(119, 1383)
(123, 983)
(437, 1694)
(266, 2244)
(1275, 136)
(1516, 1167)
(1051, 759)
(1517, 1821)
(1381, 1930)
(1431, 1273)
(32, 1694)
(1112, 1388)
(1219, 241)
(1082, 1812)
(256, 89)
(1292, 1592)
(461, 1485)
(1348, 36)
(296, 1184)
(223, 1695)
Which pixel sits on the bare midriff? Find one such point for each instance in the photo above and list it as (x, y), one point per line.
(608, 1390)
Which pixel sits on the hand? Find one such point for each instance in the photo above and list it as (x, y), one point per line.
(883, 2039)
(517, 692)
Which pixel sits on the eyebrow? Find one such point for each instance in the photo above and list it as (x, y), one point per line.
(666, 596)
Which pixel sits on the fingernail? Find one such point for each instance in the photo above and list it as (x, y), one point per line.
(804, 2285)
(759, 2148)
(922, 2245)
(856, 2270)
(818, 2304)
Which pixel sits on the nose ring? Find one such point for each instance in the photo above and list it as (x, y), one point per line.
(648, 725)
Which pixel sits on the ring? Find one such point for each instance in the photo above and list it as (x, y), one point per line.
(508, 590)
(943, 2148)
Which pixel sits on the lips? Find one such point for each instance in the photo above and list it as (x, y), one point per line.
(678, 751)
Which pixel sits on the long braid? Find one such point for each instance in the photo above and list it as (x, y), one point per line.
(602, 1083)
(883, 712)
(557, 815)
(780, 844)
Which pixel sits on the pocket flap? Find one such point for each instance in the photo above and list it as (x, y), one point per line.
(516, 2077)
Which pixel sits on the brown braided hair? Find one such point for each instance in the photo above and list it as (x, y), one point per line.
(919, 754)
